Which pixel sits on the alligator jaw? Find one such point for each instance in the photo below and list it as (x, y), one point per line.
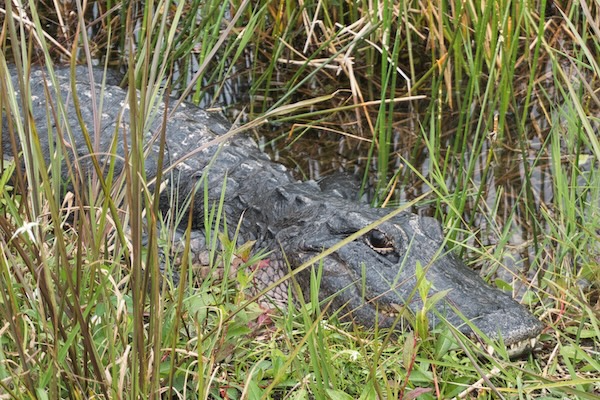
(393, 317)
(512, 323)
(518, 349)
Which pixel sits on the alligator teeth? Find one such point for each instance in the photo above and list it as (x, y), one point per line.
(524, 344)
(389, 313)
(532, 342)
(514, 350)
(518, 349)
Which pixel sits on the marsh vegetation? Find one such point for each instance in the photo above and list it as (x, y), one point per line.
(489, 108)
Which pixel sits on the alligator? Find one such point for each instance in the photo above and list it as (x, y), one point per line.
(374, 277)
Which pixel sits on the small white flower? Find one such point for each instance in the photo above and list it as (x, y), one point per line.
(28, 228)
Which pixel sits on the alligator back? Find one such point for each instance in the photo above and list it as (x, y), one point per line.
(188, 130)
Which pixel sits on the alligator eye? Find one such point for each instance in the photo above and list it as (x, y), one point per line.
(379, 241)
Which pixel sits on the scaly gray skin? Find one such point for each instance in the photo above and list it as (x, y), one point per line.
(372, 276)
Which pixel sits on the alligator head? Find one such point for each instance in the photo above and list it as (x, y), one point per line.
(376, 275)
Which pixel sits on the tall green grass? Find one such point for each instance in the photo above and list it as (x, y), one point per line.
(77, 319)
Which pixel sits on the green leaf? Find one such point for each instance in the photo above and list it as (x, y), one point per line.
(338, 395)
